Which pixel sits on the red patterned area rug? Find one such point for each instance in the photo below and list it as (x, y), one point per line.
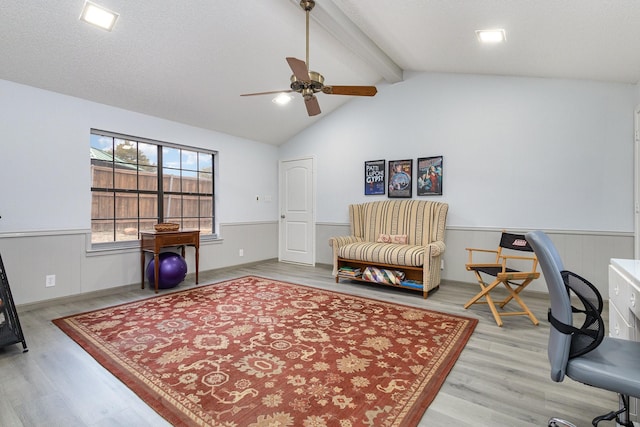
(259, 352)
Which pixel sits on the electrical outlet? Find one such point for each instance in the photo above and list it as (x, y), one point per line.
(241, 252)
(50, 280)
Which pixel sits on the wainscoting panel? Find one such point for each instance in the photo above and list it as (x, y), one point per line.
(30, 257)
(585, 252)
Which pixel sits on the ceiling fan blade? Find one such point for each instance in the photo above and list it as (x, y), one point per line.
(299, 69)
(267, 93)
(350, 90)
(313, 108)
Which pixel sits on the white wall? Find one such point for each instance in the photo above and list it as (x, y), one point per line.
(46, 197)
(558, 152)
(44, 166)
(519, 153)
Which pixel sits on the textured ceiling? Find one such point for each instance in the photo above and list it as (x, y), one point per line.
(190, 61)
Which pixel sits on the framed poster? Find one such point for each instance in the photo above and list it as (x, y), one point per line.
(374, 177)
(430, 176)
(400, 178)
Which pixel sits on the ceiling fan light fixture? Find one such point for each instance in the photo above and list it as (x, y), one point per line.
(99, 16)
(491, 36)
(282, 99)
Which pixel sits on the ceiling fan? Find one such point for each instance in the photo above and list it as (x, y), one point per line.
(308, 83)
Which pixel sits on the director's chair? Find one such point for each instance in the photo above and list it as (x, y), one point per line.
(502, 271)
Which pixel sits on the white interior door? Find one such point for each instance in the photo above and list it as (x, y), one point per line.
(636, 182)
(297, 211)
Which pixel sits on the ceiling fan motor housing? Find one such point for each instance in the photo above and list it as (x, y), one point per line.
(315, 84)
(307, 4)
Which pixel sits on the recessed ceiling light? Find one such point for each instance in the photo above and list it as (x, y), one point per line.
(99, 16)
(282, 99)
(491, 36)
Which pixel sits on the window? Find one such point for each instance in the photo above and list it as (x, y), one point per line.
(136, 183)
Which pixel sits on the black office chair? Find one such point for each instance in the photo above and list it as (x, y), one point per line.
(577, 345)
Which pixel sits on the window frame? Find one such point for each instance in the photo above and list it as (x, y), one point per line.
(159, 192)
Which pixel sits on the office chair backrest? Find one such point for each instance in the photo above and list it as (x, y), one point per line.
(551, 265)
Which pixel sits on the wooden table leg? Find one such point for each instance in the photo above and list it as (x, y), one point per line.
(142, 268)
(156, 269)
(197, 262)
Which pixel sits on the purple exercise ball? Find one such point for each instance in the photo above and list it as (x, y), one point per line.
(172, 270)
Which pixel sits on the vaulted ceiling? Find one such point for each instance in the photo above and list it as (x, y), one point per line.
(188, 61)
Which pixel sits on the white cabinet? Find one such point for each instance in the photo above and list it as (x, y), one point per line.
(624, 307)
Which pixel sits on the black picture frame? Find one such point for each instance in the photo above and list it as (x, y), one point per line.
(400, 178)
(429, 174)
(374, 177)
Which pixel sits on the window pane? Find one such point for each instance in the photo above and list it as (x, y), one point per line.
(171, 180)
(170, 157)
(190, 206)
(148, 179)
(172, 205)
(147, 155)
(126, 178)
(205, 183)
(101, 161)
(101, 231)
(127, 230)
(147, 224)
(149, 207)
(206, 207)
(189, 182)
(205, 162)
(127, 206)
(101, 147)
(189, 160)
(101, 205)
(206, 226)
(101, 175)
(126, 152)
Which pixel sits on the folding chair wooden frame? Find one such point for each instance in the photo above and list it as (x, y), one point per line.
(513, 280)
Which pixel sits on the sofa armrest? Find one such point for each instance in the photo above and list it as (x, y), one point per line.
(436, 248)
(336, 243)
(432, 261)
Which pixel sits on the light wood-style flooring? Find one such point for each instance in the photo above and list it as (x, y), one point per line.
(501, 378)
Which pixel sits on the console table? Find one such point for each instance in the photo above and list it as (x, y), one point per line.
(624, 308)
(154, 241)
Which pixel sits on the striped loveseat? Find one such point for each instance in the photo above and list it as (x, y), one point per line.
(375, 226)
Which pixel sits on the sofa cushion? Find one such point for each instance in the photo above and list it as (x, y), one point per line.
(384, 253)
